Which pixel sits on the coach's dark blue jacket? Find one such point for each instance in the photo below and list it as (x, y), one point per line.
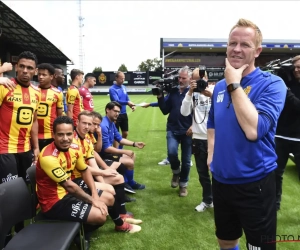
(177, 123)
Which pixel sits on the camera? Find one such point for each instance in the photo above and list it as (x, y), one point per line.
(282, 69)
(166, 84)
(201, 83)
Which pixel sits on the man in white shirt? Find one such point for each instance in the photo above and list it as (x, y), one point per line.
(198, 104)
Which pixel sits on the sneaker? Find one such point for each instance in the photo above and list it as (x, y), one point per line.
(203, 206)
(129, 199)
(128, 228)
(164, 162)
(191, 163)
(175, 181)
(292, 157)
(130, 219)
(138, 186)
(128, 188)
(129, 214)
(183, 192)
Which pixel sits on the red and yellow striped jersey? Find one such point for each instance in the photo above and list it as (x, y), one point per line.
(87, 149)
(17, 108)
(53, 167)
(87, 98)
(51, 100)
(73, 97)
(92, 137)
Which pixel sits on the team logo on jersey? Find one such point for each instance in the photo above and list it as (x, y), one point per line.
(220, 96)
(74, 146)
(72, 98)
(26, 97)
(247, 90)
(55, 152)
(58, 172)
(102, 78)
(24, 115)
(42, 110)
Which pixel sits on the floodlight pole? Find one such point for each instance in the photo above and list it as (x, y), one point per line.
(81, 55)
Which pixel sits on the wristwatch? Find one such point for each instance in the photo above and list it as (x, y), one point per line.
(233, 86)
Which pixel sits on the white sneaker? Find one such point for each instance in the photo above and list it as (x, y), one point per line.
(203, 206)
(164, 162)
(292, 158)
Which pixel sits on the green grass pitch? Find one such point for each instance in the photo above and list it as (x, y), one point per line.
(170, 222)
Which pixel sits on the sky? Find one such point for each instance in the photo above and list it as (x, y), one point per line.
(129, 32)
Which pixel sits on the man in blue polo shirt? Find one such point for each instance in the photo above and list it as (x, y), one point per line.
(111, 134)
(241, 151)
(118, 93)
(178, 131)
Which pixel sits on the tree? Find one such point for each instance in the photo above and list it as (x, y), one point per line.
(97, 69)
(70, 81)
(151, 65)
(123, 68)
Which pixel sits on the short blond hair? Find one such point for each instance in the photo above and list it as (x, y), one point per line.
(248, 24)
(295, 59)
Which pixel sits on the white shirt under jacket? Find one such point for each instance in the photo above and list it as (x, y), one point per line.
(201, 104)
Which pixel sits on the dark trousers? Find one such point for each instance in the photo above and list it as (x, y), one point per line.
(200, 154)
(248, 208)
(283, 148)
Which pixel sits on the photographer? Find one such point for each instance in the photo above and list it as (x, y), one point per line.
(198, 104)
(288, 129)
(178, 131)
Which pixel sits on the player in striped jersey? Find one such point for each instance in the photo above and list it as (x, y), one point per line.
(19, 126)
(86, 95)
(74, 100)
(124, 222)
(51, 104)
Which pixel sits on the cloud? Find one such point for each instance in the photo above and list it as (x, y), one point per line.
(129, 32)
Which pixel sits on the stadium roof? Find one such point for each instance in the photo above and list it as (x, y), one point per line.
(22, 36)
(218, 45)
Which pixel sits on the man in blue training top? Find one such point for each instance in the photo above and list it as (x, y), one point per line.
(118, 93)
(241, 149)
(111, 134)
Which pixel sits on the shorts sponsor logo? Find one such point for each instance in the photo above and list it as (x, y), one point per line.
(76, 209)
(82, 184)
(9, 177)
(82, 212)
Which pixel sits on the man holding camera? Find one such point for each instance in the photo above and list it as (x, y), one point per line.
(178, 131)
(197, 102)
(288, 129)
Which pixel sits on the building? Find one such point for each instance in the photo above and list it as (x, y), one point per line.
(178, 52)
(16, 35)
